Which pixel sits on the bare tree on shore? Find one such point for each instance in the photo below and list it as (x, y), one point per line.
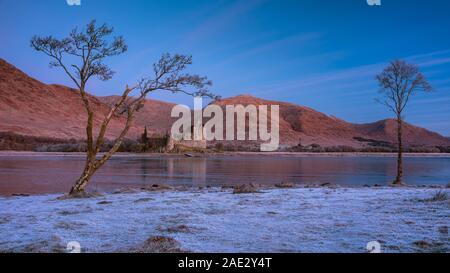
(81, 56)
(398, 82)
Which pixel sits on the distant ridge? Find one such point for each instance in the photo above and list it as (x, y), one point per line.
(30, 107)
(155, 114)
(306, 126)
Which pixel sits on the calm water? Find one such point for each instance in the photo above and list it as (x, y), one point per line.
(53, 173)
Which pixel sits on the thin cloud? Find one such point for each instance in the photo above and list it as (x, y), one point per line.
(431, 100)
(330, 80)
(435, 62)
(220, 21)
(297, 39)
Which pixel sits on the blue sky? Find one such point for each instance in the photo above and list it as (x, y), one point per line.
(322, 54)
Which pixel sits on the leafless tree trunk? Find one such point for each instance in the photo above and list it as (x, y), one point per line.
(398, 82)
(92, 163)
(398, 179)
(91, 47)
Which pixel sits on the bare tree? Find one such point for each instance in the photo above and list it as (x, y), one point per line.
(398, 82)
(88, 49)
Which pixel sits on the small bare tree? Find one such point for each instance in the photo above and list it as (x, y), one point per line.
(398, 82)
(88, 49)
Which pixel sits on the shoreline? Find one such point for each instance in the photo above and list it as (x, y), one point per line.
(254, 189)
(212, 154)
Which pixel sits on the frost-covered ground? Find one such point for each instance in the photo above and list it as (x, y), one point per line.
(215, 220)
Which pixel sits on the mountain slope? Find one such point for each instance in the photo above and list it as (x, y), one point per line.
(30, 107)
(155, 114)
(299, 124)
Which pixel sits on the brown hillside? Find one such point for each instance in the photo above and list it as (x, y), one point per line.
(30, 107)
(307, 126)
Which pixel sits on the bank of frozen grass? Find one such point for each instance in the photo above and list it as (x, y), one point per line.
(215, 220)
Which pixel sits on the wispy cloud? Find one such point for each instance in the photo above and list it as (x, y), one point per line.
(441, 83)
(329, 79)
(435, 62)
(432, 100)
(351, 77)
(219, 21)
(297, 40)
(237, 44)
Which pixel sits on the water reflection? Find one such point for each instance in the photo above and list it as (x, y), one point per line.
(47, 174)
